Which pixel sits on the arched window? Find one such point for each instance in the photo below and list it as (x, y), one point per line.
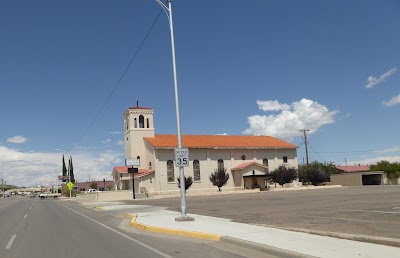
(147, 123)
(221, 165)
(141, 121)
(170, 171)
(196, 170)
(135, 122)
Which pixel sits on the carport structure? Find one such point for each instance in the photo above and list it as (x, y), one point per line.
(357, 176)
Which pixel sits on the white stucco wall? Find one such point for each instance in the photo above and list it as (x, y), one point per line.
(133, 136)
(208, 159)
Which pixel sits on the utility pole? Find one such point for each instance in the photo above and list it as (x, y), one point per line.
(305, 142)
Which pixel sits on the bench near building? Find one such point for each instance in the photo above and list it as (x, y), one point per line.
(245, 158)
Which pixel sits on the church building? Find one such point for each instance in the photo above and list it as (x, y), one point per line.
(245, 158)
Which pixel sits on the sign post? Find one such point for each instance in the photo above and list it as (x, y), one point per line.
(132, 171)
(70, 185)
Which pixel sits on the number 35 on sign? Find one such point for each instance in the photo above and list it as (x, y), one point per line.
(181, 157)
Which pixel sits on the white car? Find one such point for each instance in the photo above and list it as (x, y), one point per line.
(92, 191)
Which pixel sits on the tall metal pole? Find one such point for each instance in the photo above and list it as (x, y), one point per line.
(168, 10)
(69, 176)
(2, 182)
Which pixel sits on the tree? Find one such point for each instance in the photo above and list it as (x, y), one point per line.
(71, 170)
(64, 168)
(283, 175)
(316, 177)
(392, 169)
(219, 178)
(93, 185)
(321, 171)
(188, 182)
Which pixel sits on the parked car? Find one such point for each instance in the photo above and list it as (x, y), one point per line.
(92, 191)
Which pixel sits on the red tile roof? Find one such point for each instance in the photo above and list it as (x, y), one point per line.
(350, 169)
(137, 107)
(167, 141)
(245, 165)
(142, 171)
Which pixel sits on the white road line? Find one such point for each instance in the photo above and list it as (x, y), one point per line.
(26, 215)
(121, 234)
(30, 208)
(11, 241)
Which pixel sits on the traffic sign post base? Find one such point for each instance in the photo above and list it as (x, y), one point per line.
(180, 219)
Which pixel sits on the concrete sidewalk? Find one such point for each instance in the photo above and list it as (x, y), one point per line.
(280, 242)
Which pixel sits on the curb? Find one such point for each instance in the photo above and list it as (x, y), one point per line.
(264, 248)
(98, 208)
(352, 237)
(171, 231)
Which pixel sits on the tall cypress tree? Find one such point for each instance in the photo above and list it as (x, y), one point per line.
(71, 170)
(64, 168)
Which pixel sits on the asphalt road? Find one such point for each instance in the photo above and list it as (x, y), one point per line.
(368, 210)
(31, 227)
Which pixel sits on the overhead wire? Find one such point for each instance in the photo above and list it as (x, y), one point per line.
(116, 85)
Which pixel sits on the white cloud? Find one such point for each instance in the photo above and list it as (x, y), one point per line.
(393, 101)
(374, 160)
(304, 114)
(373, 81)
(394, 149)
(120, 142)
(106, 141)
(17, 139)
(272, 105)
(41, 168)
(115, 133)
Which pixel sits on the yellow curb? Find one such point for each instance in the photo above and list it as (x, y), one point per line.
(130, 216)
(171, 231)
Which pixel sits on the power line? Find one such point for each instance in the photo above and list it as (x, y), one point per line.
(315, 151)
(117, 84)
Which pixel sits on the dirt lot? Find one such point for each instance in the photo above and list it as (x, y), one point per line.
(367, 210)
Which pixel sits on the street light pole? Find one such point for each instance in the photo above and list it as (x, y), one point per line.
(2, 182)
(168, 11)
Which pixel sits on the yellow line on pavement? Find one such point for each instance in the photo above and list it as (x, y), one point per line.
(171, 231)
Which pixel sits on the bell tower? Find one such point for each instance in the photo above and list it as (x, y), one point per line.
(138, 123)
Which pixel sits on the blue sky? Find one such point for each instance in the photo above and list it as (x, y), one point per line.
(244, 67)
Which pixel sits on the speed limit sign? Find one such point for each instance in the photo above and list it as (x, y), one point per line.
(181, 157)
